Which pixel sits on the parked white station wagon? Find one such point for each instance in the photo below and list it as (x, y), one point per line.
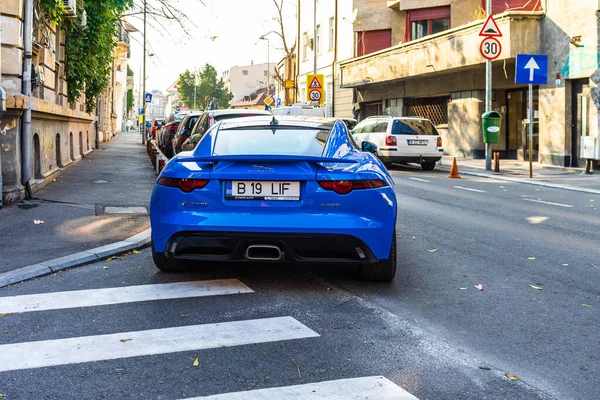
(400, 140)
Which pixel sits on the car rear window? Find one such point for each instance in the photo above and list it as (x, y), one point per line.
(413, 127)
(298, 142)
(159, 122)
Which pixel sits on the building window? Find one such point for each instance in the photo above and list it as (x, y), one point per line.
(372, 41)
(305, 47)
(427, 21)
(244, 72)
(318, 44)
(331, 33)
(433, 108)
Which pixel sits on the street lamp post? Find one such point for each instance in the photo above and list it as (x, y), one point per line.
(264, 37)
(144, 82)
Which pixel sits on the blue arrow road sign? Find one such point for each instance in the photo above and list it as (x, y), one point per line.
(532, 69)
(148, 97)
(278, 102)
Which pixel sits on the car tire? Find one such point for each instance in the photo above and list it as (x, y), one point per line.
(428, 165)
(382, 270)
(167, 264)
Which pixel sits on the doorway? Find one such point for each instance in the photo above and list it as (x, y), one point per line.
(578, 118)
(517, 138)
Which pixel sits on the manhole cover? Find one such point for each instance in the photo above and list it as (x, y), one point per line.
(100, 181)
(125, 210)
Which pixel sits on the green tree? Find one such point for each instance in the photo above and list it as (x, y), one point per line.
(129, 100)
(209, 91)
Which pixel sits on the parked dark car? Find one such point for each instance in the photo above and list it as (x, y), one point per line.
(184, 131)
(155, 127)
(168, 130)
(210, 118)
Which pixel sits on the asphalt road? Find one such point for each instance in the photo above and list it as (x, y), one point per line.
(421, 332)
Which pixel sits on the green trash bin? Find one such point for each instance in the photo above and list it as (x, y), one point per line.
(491, 122)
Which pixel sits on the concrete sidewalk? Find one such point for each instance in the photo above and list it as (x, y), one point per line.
(83, 209)
(518, 171)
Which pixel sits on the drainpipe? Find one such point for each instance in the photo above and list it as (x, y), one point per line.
(26, 90)
(97, 122)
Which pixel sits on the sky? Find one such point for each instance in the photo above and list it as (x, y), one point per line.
(224, 33)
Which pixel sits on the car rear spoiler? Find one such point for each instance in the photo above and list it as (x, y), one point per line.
(267, 158)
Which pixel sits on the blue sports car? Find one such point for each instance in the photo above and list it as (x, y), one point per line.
(276, 189)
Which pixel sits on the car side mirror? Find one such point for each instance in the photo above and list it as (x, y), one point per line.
(369, 147)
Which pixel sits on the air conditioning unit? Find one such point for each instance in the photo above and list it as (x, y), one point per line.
(70, 8)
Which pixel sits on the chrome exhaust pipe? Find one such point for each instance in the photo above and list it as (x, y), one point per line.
(263, 252)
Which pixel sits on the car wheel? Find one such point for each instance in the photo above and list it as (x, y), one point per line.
(167, 264)
(382, 270)
(428, 166)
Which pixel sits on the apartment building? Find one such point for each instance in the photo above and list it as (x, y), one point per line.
(331, 39)
(422, 58)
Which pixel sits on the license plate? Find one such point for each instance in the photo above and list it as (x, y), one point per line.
(262, 190)
(417, 142)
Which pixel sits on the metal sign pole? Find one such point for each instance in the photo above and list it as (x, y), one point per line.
(530, 117)
(488, 96)
(144, 82)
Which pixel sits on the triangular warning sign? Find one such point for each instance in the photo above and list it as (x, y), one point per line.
(490, 28)
(315, 84)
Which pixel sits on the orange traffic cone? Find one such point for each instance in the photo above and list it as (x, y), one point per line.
(454, 170)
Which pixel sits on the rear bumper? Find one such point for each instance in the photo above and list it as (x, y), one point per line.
(300, 248)
(396, 156)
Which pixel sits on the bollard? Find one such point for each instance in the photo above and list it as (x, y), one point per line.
(161, 164)
(496, 161)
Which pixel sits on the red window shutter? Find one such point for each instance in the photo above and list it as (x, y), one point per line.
(499, 6)
(371, 41)
(429, 13)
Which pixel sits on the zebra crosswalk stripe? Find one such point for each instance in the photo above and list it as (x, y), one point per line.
(116, 295)
(150, 342)
(372, 387)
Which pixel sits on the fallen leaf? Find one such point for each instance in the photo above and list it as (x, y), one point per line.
(505, 190)
(185, 315)
(531, 258)
(536, 287)
(592, 200)
(6, 331)
(414, 237)
(478, 287)
(106, 267)
(565, 265)
(587, 305)
(501, 187)
(537, 190)
(160, 382)
(298, 368)
(125, 340)
(5, 314)
(38, 221)
(196, 362)
(595, 266)
(511, 377)
(462, 288)
(432, 250)
(136, 252)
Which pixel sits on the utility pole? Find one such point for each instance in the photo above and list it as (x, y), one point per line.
(315, 37)
(488, 96)
(144, 82)
(264, 37)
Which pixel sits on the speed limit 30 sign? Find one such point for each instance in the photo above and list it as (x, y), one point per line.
(490, 48)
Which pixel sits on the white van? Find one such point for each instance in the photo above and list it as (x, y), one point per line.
(400, 140)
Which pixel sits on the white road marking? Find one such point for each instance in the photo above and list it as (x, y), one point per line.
(116, 295)
(113, 346)
(419, 179)
(372, 387)
(470, 190)
(550, 203)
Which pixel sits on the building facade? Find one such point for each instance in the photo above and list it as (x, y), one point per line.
(426, 61)
(41, 132)
(333, 42)
(243, 80)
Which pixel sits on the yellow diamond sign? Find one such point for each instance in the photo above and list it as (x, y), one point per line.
(268, 101)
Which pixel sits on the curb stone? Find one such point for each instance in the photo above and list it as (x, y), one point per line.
(75, 260)
(521, 180)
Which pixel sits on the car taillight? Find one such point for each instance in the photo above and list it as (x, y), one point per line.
(173, 128)
(345, 187)
(185, 185)
(391, 141)
(439, 141)
(211, 120)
